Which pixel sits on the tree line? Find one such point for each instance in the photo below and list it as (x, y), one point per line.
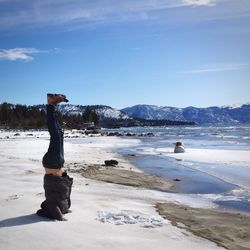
(22, 116)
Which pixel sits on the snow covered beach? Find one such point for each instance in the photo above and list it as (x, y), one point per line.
(94, 203)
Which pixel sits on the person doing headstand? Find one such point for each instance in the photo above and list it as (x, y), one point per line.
(57, 184)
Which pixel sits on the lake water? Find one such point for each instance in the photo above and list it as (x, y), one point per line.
(189, 179)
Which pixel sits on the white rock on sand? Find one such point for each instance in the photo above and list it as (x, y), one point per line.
(22, 192)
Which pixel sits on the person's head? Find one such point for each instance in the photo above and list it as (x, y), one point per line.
(178, 143)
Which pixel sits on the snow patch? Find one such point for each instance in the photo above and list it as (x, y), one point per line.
(129, 217)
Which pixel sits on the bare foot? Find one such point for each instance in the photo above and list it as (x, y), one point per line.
(54, 99)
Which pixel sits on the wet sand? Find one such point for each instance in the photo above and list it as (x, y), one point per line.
(125, 177)
(227, 229)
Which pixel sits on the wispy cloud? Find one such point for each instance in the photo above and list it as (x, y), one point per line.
(22, 54)
(217, 68)
(47, 12)
(200, 2)
(74, 12)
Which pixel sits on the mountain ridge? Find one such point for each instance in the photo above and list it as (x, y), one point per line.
(139, 115)
(219, 115)
(112, 117)
(211, 115)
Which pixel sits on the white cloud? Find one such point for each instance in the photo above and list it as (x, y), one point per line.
(71, 14)
(217, 68)
(200, 2)
(75, 12)
(22, 54)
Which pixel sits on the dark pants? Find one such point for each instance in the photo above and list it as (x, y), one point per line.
(54, 158)
(57, 194)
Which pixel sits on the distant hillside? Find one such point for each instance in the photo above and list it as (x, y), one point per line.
(210, 115)
(110, 117)
(102, 111)
(74, 116)
(22, 116)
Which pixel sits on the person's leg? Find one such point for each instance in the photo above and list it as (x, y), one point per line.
(54, 158)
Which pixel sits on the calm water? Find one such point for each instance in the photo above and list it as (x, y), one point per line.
(190, 179)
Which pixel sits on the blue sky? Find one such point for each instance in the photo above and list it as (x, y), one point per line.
(122, 53)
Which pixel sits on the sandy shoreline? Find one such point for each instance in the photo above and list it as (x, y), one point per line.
(21, 194)
(128, 177)
(227, 229)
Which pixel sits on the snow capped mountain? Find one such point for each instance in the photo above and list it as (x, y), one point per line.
(151, 112)
(241, 114)
(233, 106)
(235, 114)
(101, 110)
(109, 112)
(70, 109)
